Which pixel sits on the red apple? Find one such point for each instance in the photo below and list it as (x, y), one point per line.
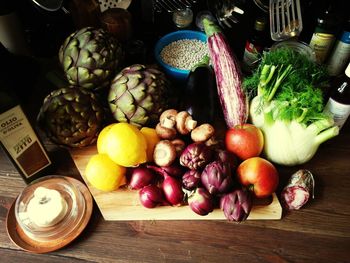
(259, 175)
(245, 141)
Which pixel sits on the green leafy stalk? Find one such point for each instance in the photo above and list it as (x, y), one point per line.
(282, 74)
(292, 82)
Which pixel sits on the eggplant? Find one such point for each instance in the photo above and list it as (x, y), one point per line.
(200, 97)
(234, 101)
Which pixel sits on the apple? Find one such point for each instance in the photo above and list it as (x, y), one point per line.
(245, 141)
(259, 176)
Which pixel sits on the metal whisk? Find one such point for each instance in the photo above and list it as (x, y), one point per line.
(225, 11)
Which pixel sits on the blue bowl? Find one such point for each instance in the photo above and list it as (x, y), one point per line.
(178, 75)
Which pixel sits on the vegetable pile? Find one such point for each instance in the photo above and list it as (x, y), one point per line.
(173, 157)
(288, 106)
(189, 168)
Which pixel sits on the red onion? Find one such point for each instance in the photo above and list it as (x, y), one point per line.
(201, 202)
(140, 177)
(174, 170)
(151, 196)
(172, 190)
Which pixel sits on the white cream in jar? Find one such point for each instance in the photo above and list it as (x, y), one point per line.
(46, 208)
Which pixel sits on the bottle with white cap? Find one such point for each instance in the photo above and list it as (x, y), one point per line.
(339, 102)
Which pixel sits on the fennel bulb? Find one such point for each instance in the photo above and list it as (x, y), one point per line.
(289, 109)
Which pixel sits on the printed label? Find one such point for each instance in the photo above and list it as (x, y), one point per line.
(321, 43)
(251, 55)
(339, 111)
(20, 140)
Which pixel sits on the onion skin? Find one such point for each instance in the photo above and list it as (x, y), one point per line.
(151, 196)
(173, 170)
(172, 189)
(140, 177)
(201, 202)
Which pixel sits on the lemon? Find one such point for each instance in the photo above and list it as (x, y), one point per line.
(102, 140)
(104, 174)
(126, 145)
(152, 139)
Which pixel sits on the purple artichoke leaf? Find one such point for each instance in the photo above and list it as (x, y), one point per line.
(217, 178)
(191, 179)
(196, 156)
(236, 205)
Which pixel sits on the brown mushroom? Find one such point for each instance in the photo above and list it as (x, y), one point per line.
(164, 153)
(184, 123)
(168, 118)
(165, 133)
(202, 132)
(179, 146)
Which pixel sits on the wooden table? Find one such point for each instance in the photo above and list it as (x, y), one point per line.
(319, 232)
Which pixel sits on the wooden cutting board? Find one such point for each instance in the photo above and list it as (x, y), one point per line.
(123, 204)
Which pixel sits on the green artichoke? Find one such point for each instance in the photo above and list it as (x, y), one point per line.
(138, 95)
(71, 116)
(89, 58)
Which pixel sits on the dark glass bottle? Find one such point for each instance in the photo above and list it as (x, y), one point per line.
(339, 102)
(324, 35)
(19, 140)
(17, 137)
(254, 46)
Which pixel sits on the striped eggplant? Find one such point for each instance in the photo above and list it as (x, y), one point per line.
(233, 99)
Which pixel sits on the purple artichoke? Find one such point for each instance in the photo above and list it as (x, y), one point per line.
(191, 179)
(236, 205)
(201, 202)
(216, 177)
(196, 156)
(227, 157)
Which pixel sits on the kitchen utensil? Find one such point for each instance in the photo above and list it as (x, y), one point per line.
(285, 19)
(226, 12)
(107, 4)
(172, 5)
(51, 5)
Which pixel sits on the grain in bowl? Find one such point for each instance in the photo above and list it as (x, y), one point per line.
(184, 53)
